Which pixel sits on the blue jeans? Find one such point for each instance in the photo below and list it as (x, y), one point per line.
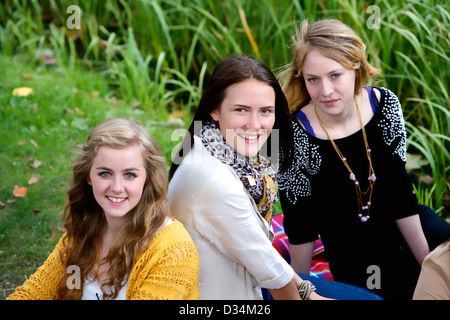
(339, 290)
(334, 290)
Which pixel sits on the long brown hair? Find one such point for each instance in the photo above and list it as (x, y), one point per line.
(334, 40)
(85, 220)
(232, 70)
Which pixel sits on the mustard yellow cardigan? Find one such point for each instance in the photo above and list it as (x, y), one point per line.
(167, 269)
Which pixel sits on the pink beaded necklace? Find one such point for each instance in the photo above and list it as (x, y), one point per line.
(363, 209)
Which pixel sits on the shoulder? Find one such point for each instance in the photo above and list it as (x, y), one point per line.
(201, 189)
(392, 123)
(308, 110)
(200, 162)
(201, 172)
(294, 183)
(173, 238)
(55, 256)
(306, 147)
(168, 268)
(305, 114)
(172, 233)
(377, 92)
(388, 99)
(390, 105)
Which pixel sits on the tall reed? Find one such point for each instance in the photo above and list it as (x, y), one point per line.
(156, 54)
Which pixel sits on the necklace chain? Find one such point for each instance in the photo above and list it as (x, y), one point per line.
(371, 178)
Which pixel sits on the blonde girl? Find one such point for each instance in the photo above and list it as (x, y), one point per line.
(347, 182)
(119, 242)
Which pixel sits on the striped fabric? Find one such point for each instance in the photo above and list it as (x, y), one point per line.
(319, 264)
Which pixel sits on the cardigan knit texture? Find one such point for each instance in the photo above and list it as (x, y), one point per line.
(167, 269)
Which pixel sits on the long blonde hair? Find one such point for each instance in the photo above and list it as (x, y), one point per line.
(85, 220)
(334, 40)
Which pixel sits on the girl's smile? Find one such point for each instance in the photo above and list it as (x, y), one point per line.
(116, 201)
(247, 115)
(117, 178)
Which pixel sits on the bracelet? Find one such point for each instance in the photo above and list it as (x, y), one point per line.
(305, 289)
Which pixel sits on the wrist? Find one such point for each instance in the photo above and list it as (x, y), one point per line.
(314, 296)
(305, 289)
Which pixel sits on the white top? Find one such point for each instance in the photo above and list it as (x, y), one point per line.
(91, 288)
(92, 291)
(233, 241)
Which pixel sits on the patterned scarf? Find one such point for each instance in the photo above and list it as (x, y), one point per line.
(257, 174)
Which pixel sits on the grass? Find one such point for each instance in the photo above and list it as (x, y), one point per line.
(149, 59)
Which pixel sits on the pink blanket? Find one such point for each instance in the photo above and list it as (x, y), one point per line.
(319, 264)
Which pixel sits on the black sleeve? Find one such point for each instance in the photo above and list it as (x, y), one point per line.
(299, 222)
(397, 187)
(295, 190)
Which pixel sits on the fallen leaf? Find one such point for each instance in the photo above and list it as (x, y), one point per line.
(77, 110)
(34, 179)
(22, 92)
(135, 103)
(19, 192)
(34, 143)
(415, 161)
(178, 113)
(427, 179)
(69, 111)
(175, 122)
(26, 76)
(36, 164)
(114, 101)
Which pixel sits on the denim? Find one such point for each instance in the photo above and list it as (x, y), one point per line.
(334, 289)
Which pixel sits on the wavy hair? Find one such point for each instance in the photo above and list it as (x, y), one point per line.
(336, 41)
(85, 220)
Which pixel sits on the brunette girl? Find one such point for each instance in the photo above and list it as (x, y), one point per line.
(223, 184)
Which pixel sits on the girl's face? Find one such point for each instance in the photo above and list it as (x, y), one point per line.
(330, 85)
(117, 177)
(246, 115)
